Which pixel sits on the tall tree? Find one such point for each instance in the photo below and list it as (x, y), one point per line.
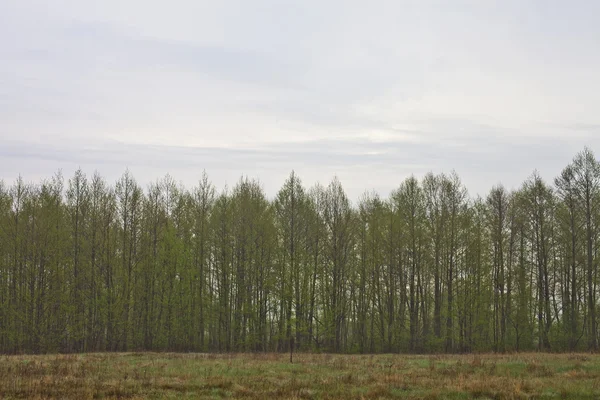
(540, 207)
(587, 183)
(290, 206)
(498, 204)
(338, 217)
(454, 194)
(90, 266)
(409, 202)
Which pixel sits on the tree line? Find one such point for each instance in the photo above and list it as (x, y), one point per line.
(90, 266)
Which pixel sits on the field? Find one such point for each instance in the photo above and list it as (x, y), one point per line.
(311, 376)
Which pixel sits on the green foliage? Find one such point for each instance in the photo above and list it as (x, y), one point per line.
(89, 266)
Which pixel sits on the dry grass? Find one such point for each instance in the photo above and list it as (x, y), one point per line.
(312, 376)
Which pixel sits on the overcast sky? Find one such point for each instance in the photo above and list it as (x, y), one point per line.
(369, 91)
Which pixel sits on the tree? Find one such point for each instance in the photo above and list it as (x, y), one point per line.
(78, 206)
(587, 184)
(454, 195)
(338, 217)
(291, 218)
(204, 198)
(108, 267)
(569, 217)
(539, 203)
(498, 205)
(409, 203)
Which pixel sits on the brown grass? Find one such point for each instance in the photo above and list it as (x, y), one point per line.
(312, 376)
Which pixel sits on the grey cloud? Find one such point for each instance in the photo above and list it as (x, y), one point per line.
(94, 46)
(341, 73)
(481, 166)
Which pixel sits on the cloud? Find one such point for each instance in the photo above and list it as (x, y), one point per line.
(371, 92)
(362, 164)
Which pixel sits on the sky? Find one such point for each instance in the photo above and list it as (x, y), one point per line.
(371, 92)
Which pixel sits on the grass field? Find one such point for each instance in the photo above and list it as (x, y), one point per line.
(311, 376)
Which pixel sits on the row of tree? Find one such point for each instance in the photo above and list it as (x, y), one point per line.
(87, 266)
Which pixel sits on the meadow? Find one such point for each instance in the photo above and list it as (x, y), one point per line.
(310, 376)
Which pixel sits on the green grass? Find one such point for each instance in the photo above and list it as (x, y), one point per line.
(311, 376)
